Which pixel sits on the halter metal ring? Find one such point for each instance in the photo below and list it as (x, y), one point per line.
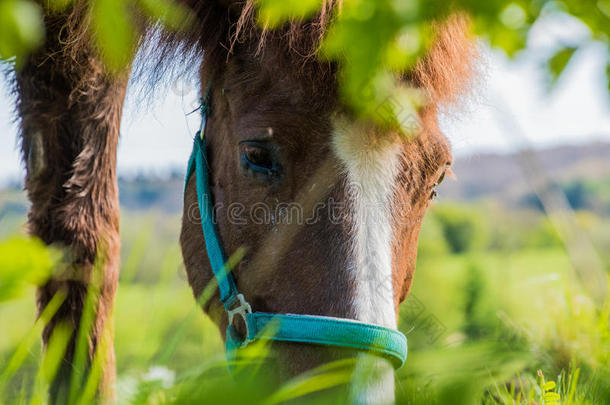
(242, 309)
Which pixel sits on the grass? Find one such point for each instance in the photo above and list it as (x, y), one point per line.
(485, 326)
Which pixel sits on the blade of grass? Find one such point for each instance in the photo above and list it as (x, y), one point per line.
(203, 298)
(138, 250)
(81, 351)
(30, 339)
(49, 365)
(97, 368)
(327, 376)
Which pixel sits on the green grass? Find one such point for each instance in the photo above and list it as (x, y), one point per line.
(487, 326)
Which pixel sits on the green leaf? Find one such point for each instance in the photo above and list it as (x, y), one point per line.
(21, 29)
(273, 13)
(25, 345)
(170, 13)
(362, 41)
(559, 61)
(56, 348)
(549, 385)
(23, 261)
(329, 375)
(114, 33)
(552, 396)
(59, 5)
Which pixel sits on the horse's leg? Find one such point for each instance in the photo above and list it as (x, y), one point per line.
(70, 111)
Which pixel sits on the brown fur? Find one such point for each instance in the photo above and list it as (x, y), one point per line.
(70, 113)
(425, 158)
(448, 70)
(70, 109)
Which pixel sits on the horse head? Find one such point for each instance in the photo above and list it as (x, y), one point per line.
(327, 207)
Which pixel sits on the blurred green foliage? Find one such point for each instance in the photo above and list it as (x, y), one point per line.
(114, 25)
(372, 40)
(115, 31)
(275, 12)
(559, 61)
(461, 227)
(24, 261)
(21, 29)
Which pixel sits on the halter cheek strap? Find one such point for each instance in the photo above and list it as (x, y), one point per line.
(307, 329)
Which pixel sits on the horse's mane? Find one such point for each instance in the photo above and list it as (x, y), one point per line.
(217, 29)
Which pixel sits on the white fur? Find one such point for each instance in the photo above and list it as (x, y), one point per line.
(373, 382)
(371, 164)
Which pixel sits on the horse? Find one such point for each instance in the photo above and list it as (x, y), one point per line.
(280, 140)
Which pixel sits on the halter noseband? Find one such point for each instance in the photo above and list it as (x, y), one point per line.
(309, 329)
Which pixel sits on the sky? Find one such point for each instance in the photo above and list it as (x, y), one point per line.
(156, 136)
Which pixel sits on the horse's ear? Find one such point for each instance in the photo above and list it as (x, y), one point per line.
(449, 71)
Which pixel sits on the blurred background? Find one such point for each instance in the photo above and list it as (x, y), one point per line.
(507, 288)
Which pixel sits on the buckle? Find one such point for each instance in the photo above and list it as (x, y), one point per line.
(242, 309)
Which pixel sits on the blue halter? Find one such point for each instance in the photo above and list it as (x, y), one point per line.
(309, 329)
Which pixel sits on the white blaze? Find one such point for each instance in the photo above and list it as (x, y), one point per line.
(371, 164)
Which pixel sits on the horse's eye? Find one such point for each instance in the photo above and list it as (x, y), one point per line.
(434, 193)
(440, 179)
(258, 157)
